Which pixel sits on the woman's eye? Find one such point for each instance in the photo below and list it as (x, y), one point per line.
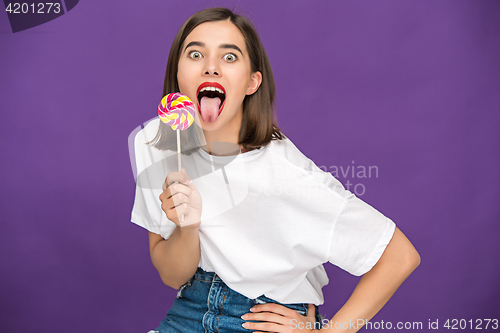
(230, 57)
(195, 55)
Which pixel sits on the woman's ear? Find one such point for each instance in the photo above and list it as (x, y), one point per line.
(255, 81)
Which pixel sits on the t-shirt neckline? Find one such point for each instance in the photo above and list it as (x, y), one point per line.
(226, 159)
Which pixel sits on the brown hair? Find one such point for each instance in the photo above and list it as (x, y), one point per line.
(259, 124)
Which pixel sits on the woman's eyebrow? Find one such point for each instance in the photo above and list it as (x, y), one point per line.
(231, 46)
(222, 46)
(194, 44)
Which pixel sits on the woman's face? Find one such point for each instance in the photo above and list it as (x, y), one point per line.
(214, 72)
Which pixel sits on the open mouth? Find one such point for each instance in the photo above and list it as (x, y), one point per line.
(211, 97)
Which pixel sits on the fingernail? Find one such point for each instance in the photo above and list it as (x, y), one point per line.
(252, 309)
(244, 316)
(245, 325)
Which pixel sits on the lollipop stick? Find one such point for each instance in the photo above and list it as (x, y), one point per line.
(179, 149)
(179, 158)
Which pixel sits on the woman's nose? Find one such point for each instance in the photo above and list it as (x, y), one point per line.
(212, 69)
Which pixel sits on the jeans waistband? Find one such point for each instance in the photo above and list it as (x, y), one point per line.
(207, 276)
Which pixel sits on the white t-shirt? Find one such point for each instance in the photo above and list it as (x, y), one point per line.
(270, 218)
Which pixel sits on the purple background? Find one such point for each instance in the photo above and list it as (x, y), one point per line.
(412, 87)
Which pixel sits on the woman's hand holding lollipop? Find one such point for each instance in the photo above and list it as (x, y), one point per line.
(181, 198)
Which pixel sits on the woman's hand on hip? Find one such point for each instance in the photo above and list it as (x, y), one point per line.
(274, 317)
(180, 200)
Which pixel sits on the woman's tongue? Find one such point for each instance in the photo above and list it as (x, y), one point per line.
(209, 108)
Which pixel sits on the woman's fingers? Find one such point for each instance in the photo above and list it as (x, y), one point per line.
(175, 213)
(174, 201)
(176, 188)
(177, 177)
(271, 317)
(180, 200)
(274, 308)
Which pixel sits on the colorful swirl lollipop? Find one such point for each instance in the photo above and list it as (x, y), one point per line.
(177, 111)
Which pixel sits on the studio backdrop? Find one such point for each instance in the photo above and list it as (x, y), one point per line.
(399, 100)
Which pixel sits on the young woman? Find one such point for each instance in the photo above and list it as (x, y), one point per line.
(254, 264)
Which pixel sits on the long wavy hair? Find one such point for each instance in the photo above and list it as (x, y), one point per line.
(259, 124)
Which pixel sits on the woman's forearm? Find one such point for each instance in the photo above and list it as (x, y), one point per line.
(176, 259)
(377, 286)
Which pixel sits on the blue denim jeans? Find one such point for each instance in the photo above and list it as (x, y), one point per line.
(205, 304)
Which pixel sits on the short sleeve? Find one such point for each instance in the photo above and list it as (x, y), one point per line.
(148, 163)
(358, 233)
(360, 236)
